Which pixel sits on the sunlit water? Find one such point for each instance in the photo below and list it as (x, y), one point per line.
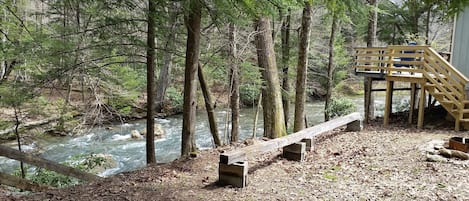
(130, 153)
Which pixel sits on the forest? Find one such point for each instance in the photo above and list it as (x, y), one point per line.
(77, 64)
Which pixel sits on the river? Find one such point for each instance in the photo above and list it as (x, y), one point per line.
(130, 153)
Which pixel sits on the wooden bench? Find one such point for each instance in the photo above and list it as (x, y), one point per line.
(233, 166)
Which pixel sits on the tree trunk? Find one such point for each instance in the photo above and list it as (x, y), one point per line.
(274, 123)
(256, 117)
(18, 138)
(234, 84)
(190, 86)
(370, 42)
(165, 72)
(415, 13)
(303, 50)
(3, 62)
(330, 68)
(29, 125)
(285, 66)
(209, 107)
(427, 26)
(6, 70)
(150, 143)
(6, 66)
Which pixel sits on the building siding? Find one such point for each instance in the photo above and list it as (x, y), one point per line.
(460, 54)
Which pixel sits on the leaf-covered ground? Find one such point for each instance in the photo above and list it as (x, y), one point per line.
(375, 164)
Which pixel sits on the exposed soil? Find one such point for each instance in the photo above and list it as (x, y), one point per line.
(375, 164)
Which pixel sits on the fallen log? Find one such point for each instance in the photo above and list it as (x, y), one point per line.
(267, 146)
(29, 125)
(47, 164)
(21, 183)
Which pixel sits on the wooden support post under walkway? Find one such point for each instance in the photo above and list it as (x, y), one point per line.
(388, 103)
(295, 151)
(413, 94)
(47, 164)
(233, 165)
(369, 102)
(421, 106)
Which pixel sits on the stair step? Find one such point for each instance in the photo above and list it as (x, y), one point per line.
(431, 88)
(438, 95)
(448, 105)
(446, 102)
(430, 85)
(464, 120)
(456, 111)
(441, 95)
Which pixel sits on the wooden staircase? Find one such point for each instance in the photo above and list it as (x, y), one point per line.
(418, 65)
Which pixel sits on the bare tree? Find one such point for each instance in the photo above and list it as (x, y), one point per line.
(330, 68)
(303, 49)
(370, 42)
(165, 72)
(274, 123)
(193, 22)
(150, 143)
(234, 84)
(209, 106)
(285, 65)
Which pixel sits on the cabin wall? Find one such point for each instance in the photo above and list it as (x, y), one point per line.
(460, 52)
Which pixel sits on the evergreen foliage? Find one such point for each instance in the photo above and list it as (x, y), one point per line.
(340, 107)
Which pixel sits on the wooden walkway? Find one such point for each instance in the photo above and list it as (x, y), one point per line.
(420, 66)
(233, 166)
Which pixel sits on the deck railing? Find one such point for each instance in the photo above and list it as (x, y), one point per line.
(447, 79)
(371, 60)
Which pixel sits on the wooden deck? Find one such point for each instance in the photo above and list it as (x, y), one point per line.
(420, 66)
(398, 77)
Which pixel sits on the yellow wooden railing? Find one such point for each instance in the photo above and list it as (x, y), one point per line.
(371, 60)
(444, 76)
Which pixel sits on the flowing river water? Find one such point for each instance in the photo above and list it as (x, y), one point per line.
(130, 153)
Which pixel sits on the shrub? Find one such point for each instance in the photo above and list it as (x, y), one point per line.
(122, 103)
(51, 178)
(84, 162)
(340, 107)
(250, 83)
(249, 94)
(176, 99)
(403, 105)
(39, 106)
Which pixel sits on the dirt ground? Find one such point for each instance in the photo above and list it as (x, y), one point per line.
(375, 164)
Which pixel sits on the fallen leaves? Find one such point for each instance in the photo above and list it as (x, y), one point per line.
(375, 164)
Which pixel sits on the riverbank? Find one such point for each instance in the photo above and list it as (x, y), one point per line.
(374, 164)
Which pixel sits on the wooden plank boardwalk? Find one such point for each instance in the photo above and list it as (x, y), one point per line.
(234, 164)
